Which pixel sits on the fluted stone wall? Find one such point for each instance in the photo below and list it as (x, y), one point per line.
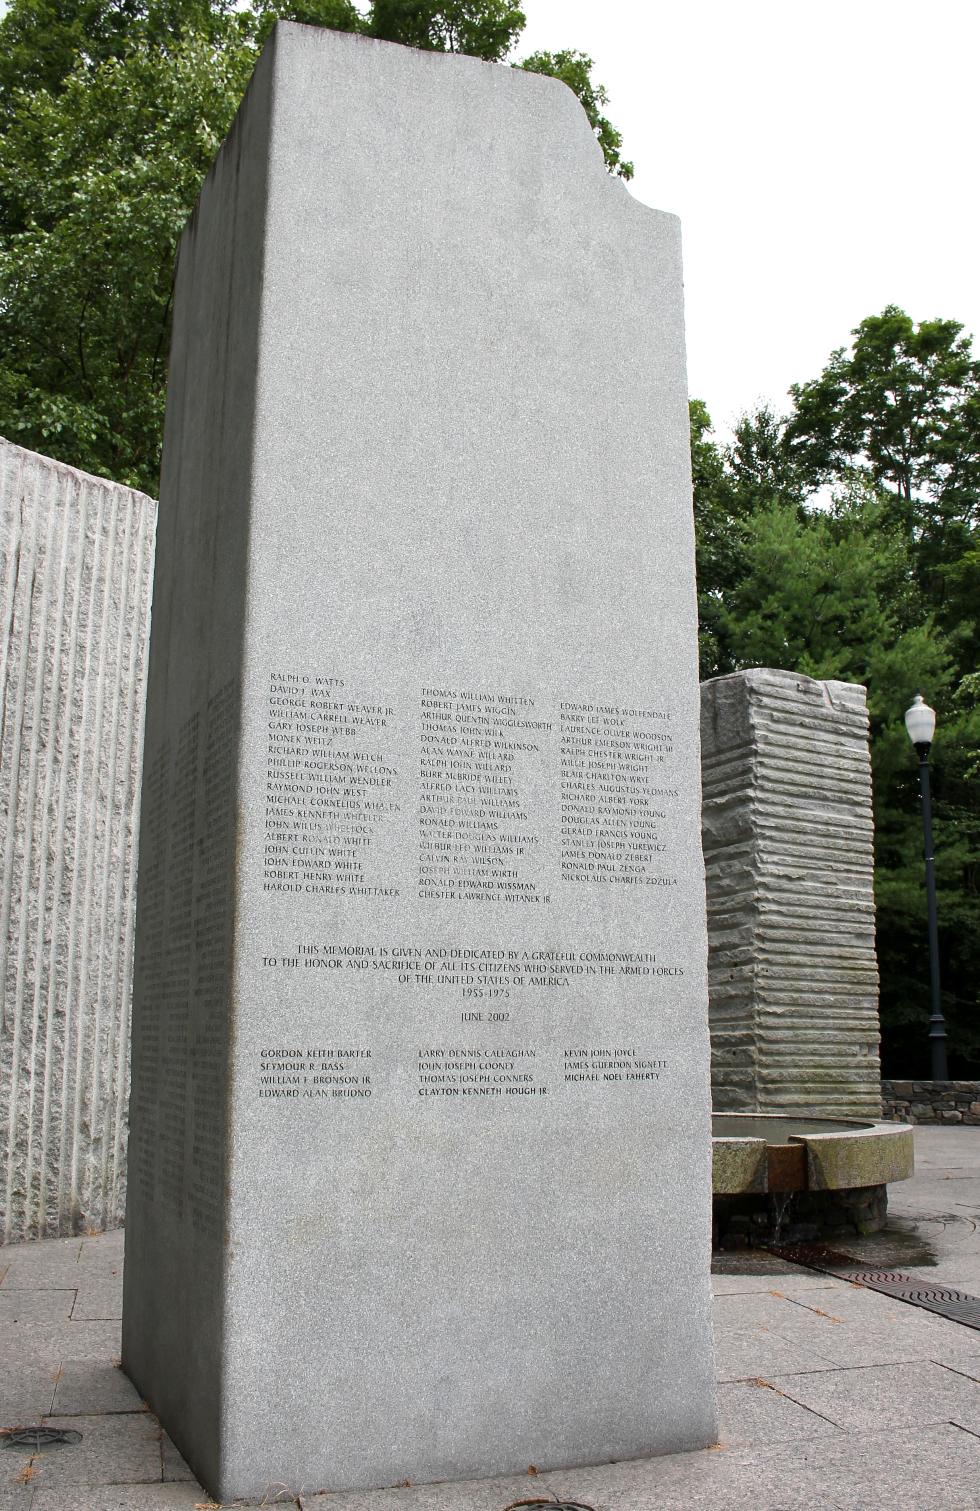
(788, 841)
(76, 557)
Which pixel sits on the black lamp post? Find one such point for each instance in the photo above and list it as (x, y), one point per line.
(920, 721)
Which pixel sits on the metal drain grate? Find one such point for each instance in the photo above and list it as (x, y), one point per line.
(551, 1505)
(36, 1439)
(957, 1306)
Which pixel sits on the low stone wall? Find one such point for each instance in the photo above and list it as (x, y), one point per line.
(931, 1102)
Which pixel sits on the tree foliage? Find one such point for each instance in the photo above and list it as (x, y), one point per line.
(903, 408)
(111, 112)
(841, 540)
(575, 70)
(483, 28)
(97, 176)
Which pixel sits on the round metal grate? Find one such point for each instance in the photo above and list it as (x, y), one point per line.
(552, 1504)
(37, 1439)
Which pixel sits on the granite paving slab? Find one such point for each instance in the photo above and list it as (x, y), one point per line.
(105, 1247)
(860, 1306)
(945, 1342)
(754, 1414)
(99, 1299)
(932, 1201)
(900, 1342)
(473, 1495)
(708, 1480)
(90, 1388)
(712, 1480)
(750, 1353)
(26, 1393)
(123, 1498)
(929, 1172)
(17, 1479)
(785, 1283)
(175, 1466)
(950, 1230)
(64, 1341)
(20, 1349)
(45, 1264)
(946, 1145)
(961, 1187)
(35, 1306)
(907, 1326)
(895, 1395)
(859, 1349)
(114, 1450)
(777, 1313)
(969, 1367)
(17, 1497)
(931, 1468)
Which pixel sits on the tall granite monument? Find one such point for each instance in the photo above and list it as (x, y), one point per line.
(419, 1182)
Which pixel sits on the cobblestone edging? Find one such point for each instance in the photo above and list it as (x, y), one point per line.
(931, 1102)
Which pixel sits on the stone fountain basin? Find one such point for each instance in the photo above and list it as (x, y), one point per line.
(761, 1152)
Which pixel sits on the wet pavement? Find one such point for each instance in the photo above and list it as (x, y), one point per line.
(831, 1394)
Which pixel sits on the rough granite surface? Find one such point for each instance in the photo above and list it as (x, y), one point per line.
(738, 1165)
(873, 1156)
(420, 1165)
(76, 561)
(788, 846)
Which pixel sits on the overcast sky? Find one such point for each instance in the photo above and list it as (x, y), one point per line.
(822, 158)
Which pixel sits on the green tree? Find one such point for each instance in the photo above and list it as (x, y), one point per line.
(483, 28)
(762, 469)
(97, 176)
(575, 70)
(902, 407)
(111, 112)
(833, 595)
(45, 40)
(719, 535)
(829, 594)
(852, 553)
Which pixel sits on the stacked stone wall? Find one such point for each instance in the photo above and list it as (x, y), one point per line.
(931, 1102)
(76, 560)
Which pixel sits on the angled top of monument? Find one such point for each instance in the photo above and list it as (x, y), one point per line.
(540, 113)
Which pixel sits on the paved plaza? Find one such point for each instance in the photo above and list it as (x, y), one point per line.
(832, 1395)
